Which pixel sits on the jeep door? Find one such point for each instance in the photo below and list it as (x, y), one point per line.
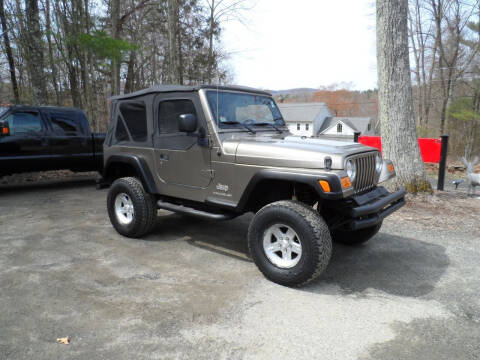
(179, 159)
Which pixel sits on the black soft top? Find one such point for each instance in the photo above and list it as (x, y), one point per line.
(183, 88)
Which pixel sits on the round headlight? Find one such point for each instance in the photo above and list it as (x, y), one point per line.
(378, 163)
(351, 169)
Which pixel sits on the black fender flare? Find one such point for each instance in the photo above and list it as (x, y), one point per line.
(141, 168)
(308, 179)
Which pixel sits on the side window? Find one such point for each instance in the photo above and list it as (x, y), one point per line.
(120, 132)
(65, 125)
(135, 116)
(168, 114)
(24, 123)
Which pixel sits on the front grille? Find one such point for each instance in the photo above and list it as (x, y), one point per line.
(366, 175)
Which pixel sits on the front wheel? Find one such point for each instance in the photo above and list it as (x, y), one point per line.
(290, 243)
(355, 237)
(132, 211)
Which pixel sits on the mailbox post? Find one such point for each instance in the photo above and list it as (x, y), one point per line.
(443, 163)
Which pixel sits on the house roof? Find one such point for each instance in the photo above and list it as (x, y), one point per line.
(301, 112)
(183, 88)
(356, 123)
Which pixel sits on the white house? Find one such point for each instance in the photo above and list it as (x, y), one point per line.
(304, 119)
(315, 119)
(346, 126)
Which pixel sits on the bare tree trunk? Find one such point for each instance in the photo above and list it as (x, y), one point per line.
(130, 74)
(115, 71)
(8, 50)
(172, 37)
(399, 133)
(449, 52)
(50, 52)
(210, 41)
(180, 57)
(35, 48)
(417, 51)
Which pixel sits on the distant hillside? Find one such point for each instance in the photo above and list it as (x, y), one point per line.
(293, 92)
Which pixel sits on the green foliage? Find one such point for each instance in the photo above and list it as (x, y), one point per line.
(104, 46)
(462, 109)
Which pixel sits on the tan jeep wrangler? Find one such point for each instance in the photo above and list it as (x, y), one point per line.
(220, 152)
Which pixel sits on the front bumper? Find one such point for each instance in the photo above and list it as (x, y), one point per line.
(371, 208)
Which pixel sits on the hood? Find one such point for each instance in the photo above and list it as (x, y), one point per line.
(291, 151)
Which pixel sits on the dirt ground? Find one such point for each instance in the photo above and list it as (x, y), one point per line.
(190, 291)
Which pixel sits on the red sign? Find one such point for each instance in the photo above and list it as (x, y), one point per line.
(429, 148)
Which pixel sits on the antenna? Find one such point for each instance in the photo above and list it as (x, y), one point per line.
(218, 116)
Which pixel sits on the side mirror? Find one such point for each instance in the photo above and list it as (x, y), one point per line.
(4, 129)
(187, 123)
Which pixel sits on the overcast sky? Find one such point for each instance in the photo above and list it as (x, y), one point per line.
(304, 43)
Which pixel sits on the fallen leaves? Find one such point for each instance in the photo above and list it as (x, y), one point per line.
(64, 340)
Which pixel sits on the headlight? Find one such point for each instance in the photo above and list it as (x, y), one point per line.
(378, 163)
(351, 169)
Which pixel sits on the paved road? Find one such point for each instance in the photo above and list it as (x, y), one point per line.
(189, 291)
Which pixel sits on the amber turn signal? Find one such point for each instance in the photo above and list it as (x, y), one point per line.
(346, 183)
(325, 185)
(391, 168)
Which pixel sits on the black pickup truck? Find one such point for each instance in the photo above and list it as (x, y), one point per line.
(47, 138)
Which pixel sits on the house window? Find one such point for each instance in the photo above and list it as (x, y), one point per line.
(339, 128)
(369, 127)
(306, 126)
(298, 126)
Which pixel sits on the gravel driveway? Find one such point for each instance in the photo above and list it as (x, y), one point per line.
(189, 290)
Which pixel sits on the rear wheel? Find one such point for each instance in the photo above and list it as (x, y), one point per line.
(290, 243)
(355, 237)
(132, 211)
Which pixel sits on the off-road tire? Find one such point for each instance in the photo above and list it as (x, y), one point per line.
(144, 204)
(356, 237)
(312, 231)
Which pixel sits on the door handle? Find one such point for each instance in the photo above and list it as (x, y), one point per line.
(163, 156)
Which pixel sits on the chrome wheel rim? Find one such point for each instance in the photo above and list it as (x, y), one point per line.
(282, 246)
(124, 209)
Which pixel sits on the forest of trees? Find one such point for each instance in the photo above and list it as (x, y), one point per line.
(81, 52)
(444, 38)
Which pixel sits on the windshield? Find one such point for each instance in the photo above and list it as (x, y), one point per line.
(3, 110)
(232, 109)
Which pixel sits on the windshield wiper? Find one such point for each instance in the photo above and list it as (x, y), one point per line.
(239, 123)
(280, 131)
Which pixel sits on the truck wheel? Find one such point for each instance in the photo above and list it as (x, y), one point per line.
(355, 237)
(289, 242)
(132, 211)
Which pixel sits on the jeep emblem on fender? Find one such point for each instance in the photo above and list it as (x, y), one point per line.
(222, 187)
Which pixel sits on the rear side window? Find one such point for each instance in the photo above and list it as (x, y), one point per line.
(24, 123)
(135, 115)
(120, 132)
(65, 124)
(169, 112)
